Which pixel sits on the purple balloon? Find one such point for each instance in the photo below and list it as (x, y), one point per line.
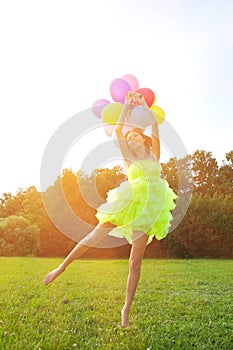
(119, 89)
(98, 106)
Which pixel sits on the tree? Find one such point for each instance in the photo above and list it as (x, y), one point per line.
(170, 173)
(205, 169)
(178, 173)
(224, 178)
(12, 205)
(69, 205)
(52, 241)
(206, 230)
(18, 236)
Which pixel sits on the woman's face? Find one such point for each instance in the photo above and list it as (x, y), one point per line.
(135, 139)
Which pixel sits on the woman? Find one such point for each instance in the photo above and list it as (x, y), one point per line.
(139, 208)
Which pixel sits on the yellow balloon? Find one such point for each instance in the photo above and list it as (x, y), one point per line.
(158, 113)
(111, 112)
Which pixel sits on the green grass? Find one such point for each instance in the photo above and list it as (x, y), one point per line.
(179, 304)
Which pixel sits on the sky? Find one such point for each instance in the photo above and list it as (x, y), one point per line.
(58, 57)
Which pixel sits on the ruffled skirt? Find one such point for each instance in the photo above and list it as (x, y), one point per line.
(142, 203)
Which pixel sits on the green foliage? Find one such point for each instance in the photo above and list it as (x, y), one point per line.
(18, 236)
(179, 304)
(204, 172)
(52, 241)
(207, 229)
(224, 180)
(71, 202)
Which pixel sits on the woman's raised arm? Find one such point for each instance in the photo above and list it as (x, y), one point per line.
(119, 126)
(155, 131)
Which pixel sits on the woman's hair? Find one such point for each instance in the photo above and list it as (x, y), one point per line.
(147, 139)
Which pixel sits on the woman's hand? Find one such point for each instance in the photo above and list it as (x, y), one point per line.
(129, 98)
(139, 98)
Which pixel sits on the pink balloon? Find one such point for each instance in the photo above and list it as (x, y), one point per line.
(132, 80)
(119, 89)
(108, 128)
(98, 106)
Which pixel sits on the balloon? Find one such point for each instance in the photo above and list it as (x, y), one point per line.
(119, 89)
(158, 113)
(138, 118)
(148, 95)
(111, 112)
(133, 82)
(98, 106)
(108, 128)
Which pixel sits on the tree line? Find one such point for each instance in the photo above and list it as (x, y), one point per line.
(206, 230)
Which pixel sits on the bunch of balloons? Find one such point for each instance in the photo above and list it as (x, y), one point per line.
(110, 112)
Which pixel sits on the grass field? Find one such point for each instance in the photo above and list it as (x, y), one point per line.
(179, 304)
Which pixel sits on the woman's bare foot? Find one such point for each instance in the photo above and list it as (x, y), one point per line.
(50, 277)
(125, 318)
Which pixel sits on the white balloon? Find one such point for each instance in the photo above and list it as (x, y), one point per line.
(138, 118)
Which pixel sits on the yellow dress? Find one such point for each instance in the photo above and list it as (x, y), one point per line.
(142, 203)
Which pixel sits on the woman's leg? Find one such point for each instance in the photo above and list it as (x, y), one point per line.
(94, 237)
(135, 260)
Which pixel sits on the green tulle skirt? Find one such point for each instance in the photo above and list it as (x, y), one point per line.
(142, 203)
